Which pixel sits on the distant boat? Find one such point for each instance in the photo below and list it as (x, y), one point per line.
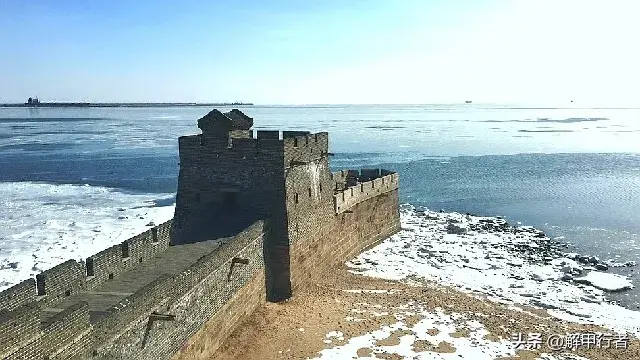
(468, 102)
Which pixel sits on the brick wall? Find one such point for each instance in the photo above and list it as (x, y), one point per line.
(200, 294)
(250, 173)
(305, 148)
(59, 282)
(18, 328)
(63, 328)
(18, 295)
(144, 246)
(109, 263)
(320, 237)
(213, 333)
(352, 195)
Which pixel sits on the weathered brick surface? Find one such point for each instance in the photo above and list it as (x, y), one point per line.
(106, 265)
(352, 195)
(216, 180)
(110, 263)
(61, 331)
(306, 148)
(61, 281)
(18, 328)
(211, 293)
(18, 295)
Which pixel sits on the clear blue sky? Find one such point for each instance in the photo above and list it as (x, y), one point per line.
(300, 52)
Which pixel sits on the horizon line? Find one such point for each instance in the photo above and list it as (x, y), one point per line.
(520, 105)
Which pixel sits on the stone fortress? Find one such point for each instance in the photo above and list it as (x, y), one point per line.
(256, 218)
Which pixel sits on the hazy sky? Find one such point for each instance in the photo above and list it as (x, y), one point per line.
(331, 51)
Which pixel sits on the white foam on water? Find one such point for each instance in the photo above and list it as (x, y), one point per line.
(45, 224)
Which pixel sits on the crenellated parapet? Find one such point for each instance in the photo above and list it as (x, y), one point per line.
(111, 262)
(18, 295)
(37, 311)
(291, 145)
(18, 328)
(65, 318)
(304, 147)
(371, 183)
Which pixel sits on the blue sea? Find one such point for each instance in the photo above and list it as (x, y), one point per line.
(68, 175)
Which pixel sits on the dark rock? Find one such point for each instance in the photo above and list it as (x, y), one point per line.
(11, 265)
(583, 259)
(566, 277)
(602, 267)
(543, 304)
(456, 229)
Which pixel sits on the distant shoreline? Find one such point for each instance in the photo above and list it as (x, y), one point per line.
(128, 105)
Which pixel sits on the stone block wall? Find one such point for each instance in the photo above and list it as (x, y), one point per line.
(214, 290)
(323, 229)
(59, 282)
(348, 197)
(18, 295)
(243, 178)
(18, 327)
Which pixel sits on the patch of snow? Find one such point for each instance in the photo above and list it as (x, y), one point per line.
(604, 281)
(473, 347)
(335, 334)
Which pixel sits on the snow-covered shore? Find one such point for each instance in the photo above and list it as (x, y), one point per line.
(512, 265)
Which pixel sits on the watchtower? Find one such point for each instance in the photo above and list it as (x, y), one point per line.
(228, 179)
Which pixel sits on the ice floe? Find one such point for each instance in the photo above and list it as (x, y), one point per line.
(604, 281)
